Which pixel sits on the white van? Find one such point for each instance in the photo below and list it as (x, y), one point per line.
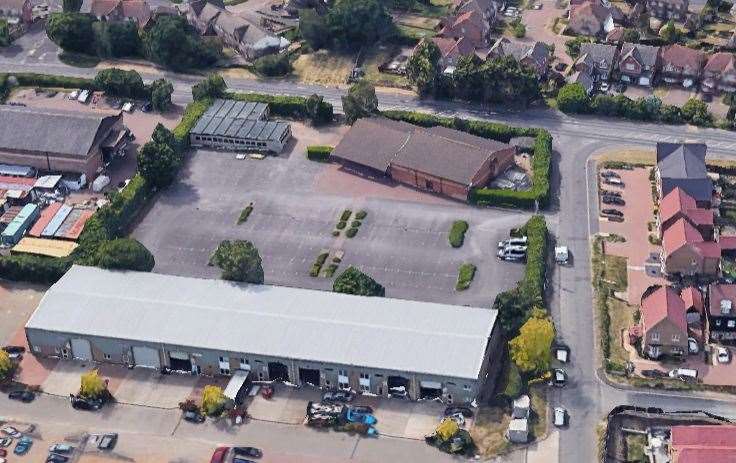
(684, 373)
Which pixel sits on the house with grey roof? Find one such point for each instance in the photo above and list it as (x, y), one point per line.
(683, 165)
(435, 159)
(597, 60)
(638, 64)
(239, 126)
(374, 345)
(535, 55)
(60, 141)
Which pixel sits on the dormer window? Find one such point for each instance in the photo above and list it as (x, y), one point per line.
(726, 306)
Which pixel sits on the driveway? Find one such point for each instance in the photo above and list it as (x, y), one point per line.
(539, 28)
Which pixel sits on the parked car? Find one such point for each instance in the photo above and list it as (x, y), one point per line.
(337, 396)
(3, 453)
(560, 416)
(218, 456)
(63, 449)
(108, 441)
(611, 193)
(723, 355)
(559, 377)
(23, 445)
(684, 374)
(562, 255)
(251, 452)
(56, 458)
(454, 409)
(3, 460)
(613, 181)
(242, 460)
(616, 200)
(609, 174)
(357, 417)
(15, 352)
(520, 241)
(654, 373)
(11, 432)
(147, 106)
(614, 214)
(562, 353)
(511, 255)
(361, 409)
(80, 403)
(692, 346)
(604, 87)
(5, 441)
(23, 396)
(193, 417)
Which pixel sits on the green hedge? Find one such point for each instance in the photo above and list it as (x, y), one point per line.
(465, 274)
(538, 195)
(319, 152)
(457, 233)
(191, 115)
(284, 106)
(30, 79)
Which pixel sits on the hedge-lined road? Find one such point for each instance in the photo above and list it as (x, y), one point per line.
(587, 398)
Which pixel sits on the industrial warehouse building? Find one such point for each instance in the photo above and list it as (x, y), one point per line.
(239, 126)
(60, 141)
(216, 327)
(436, 159)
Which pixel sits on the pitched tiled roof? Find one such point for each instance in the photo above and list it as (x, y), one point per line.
(661, 304)
(718, 293)
(704, 444)
(720, 62)
(451, 47)
(679, 234)
(646, 55)
(678, 201)
(599, 52)
(683, 165)
(538, 51)
(681, 57)
(692, 297)
(590, 8)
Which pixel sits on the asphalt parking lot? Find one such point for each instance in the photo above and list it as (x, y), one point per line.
(402, 242)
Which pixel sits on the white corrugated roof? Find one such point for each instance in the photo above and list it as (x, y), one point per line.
(381, 333)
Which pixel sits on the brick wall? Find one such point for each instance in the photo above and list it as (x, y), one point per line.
(428, 182)
(87, 166)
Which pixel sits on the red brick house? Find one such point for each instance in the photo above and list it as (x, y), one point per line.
(663, 324)
(638, 63)
(694, 305)
(682, 65)
(678, 205)
(685, 252)
(703, 443)
(435, 159)
(722, 312)
(590, 18)
(16, 11)
(137, 11)
(719, 73)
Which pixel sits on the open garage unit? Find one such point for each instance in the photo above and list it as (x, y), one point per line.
(372, 345)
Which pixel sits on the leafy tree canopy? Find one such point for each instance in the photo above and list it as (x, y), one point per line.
(213, 400)
(572, 98)
(531, 349)
(71, 31)
(6, 365)
(158, 163)
(125, 254)
(213, 86)
(121, 83)
(92, 385)
(353, 281)
(423, 68)
(239, 261)
(361, 101)
(161, 91)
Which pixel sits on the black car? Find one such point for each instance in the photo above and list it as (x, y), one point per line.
(454, 410)
(23, 396)
(612, 212)
(654, 373)
(251, 452)
(80, 403)
(337, 396)
(55, 458)
(108, 441)
(611, 193)
(241, 460)
(609, 174)
(616, 200)
(193, 417)
(14, 349)
(147, 106)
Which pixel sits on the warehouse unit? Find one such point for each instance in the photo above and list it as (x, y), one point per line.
(376, 345)
(239, 126)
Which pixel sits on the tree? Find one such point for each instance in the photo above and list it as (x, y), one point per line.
(518, 28)
(213, 400)
(163, 136)
(161, 91)
(117, 38)
(318, 111)
(213, 86)
(498, 80)
(173, 43)
(239, 261)
(92, 385)
(572, 46)
(4, 33)
(631, 35)
(353, 281)
(120, 83)
(696, 112)
(669, 32)
(71, 6)
(572, 98)
(423, 68)
(71, 31)
(158, 164)
(313, 28)
(6, 365)
(354, 23)
(124, 254)
(531, 350)
(273, 65)
(361, 101)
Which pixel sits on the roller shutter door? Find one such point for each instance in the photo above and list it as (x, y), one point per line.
(146, 357)
(81, 349)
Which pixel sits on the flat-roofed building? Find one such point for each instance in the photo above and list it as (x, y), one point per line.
(239, 126)
(371, 344)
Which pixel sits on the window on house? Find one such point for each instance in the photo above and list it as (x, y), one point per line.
(107, 356)
(732, 323)
(224, 359)
(466, 387)
(655, 336)
(378, 375)
(224, 371)
(365, 376)
(675, 338)
(342, 372)
(718, 323)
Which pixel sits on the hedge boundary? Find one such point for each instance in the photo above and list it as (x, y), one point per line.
(294, 107)
(319, 153)
(537, 196)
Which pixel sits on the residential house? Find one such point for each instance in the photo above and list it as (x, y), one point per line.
(596, 59)
(703, 443)
(451, 50)
(137, 11)
(534, 55)
(722, 312)
(590, 18)
(686, 253)
(663, 324)
(486, 9)
(665, 10)
(236, 32)
(584, 79)
(16, 11)
(683, 165)
(681, 65)
(719, 73)
(676, 205)
(638, 64)
(468, 25)
(694, 306)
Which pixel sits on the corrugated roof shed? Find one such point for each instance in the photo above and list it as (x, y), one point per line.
(46, 215)
(373, 332)
(45, 247)
(77, 227)
(56, 221)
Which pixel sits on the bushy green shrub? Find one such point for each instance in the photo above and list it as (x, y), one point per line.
(355, 224)
(340, 225)
(30, 79)
(345, 215)
(319, 152)
(192, 113)
(295, 107)
(245, 213)
(273, 65)
(465, 275)
(353, 281)
(361, 214)
(330, 270)
(32, 268)
(351, 232)
(457, 233)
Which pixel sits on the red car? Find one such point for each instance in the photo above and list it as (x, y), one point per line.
(218, 456)
(3, 453)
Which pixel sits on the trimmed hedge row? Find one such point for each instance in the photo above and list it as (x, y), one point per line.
(30, 79)
(284, 106)
(319, 153)
(538, 195)
(191, 115)
(109, 222)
